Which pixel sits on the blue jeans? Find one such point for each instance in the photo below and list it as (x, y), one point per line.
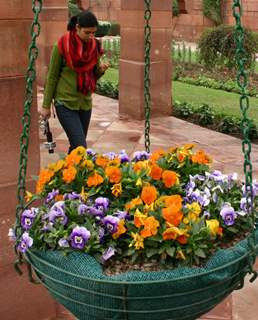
(75, 124)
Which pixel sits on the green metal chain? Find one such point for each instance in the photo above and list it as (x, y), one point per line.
(242, 82)
(147, 95)
(26, 121)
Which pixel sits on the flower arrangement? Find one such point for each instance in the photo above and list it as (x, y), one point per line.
(167, 206)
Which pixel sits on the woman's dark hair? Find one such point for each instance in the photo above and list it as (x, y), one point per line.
(85, 19)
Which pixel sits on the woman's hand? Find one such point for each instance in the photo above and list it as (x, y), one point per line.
(45, 113)
(104, 66)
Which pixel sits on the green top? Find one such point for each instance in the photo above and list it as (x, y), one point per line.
(61, 85)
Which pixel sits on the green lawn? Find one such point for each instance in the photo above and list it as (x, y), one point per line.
(221, 101)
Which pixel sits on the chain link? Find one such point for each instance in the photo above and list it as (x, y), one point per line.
(26, 121)
(147, 95)
(242, 82)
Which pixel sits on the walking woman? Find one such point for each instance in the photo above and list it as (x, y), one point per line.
(73, 71)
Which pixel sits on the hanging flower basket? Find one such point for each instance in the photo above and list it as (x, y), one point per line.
(77, 281)
(167, 207)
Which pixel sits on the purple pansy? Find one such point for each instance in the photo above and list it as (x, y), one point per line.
(90, 152)
(110, 155)
(79, 237)
(108, 253)
(228, 214)
(28, 217)
(51, 195)
(123, 156)
(57, 213)
(101, 204)
(72, 196)
(101, 235)
(63, 243)
(83, 209)
(25, 242)
(140, 156)
(121, 214)
(111, 223)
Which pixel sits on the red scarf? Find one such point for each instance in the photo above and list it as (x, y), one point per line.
(82, 57)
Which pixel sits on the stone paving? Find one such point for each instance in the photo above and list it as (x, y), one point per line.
(109, 133)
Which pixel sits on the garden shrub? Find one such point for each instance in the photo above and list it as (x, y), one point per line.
(175, 8)
(212, 10)
(114, 29)
(103, 28)
(218, 46)
(205, 114)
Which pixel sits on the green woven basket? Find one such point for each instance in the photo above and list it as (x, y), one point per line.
(77, 282)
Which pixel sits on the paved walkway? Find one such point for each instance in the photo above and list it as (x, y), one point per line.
(109, 133)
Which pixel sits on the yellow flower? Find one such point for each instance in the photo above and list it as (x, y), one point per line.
(88, 164)
(28, 196)
(56, 166)
(138, 241)
(194, 208)
(139, 182)
(213, 225)
(79, 150)
(116, 189)
(120, 229)
(83, 194)
(180, 255)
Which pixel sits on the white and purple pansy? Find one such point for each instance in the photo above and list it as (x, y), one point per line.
(111, 223)
(24, 243)
(228, 214)
(140, 156)
(102, 204)
(79, 237)
(51, 195)
(108, 253)
(57, 214)
(27, 218)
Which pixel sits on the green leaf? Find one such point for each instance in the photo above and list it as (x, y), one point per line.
(171, 251)
(200, 253)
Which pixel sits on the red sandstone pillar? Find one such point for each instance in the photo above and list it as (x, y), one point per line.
(19, 299)
(53, 19)
(131, 85)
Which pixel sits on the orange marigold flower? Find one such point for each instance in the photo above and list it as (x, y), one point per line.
(133, 203)
(72, 159)
(114, 174)
(156, 172)
(150, 227)
(171, 216)
(45, 176)
(69, 174)
(182, 239)
(102, 161)
(139, 218)
(169, 178)
(181, 155)
(156, 155)
(201, 157)
(120, 229)
(139, 165)
(149, 194)
(172, 233)
(174, 202)
(59, 197)
(94, 180)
